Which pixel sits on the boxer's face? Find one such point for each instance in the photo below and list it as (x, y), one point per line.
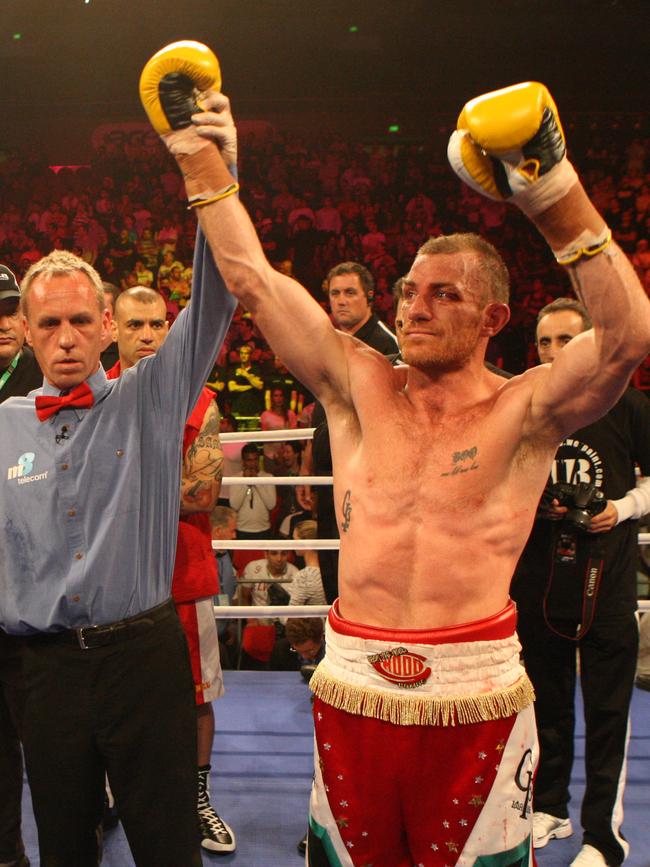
(442, 312)
(66, 328)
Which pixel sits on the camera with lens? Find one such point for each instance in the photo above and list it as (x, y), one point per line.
(583, 501)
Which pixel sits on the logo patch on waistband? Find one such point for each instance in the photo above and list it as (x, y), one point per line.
(401, 667)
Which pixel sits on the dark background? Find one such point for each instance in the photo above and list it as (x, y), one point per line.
(410, 61)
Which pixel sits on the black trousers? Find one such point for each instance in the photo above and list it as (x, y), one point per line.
(11, 758)
(128, 710)
(608, 654)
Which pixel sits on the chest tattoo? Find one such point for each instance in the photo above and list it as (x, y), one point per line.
(463, 461)
(346, 508)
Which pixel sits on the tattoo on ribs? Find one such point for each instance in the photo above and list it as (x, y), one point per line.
(346, 508)
(463, 461)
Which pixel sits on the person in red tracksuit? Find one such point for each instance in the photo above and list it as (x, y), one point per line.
(139, 328)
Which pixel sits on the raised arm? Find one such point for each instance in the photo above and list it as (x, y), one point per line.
(509, 145)
(201, 136)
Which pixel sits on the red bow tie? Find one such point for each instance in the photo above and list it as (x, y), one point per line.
(81, 397)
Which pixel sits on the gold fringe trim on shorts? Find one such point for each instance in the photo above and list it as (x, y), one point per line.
(422, 710)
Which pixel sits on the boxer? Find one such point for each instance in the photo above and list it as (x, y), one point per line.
(425, 737)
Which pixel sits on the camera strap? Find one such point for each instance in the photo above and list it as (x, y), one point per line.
(591, 586)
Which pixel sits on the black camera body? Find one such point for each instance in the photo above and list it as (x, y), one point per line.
(584, 501)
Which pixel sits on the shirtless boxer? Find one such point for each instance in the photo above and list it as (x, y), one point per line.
(424, 727)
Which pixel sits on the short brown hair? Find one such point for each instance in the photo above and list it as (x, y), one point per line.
(301, 629)
(221, 516)
(142, 294)
(364, 275)
(566, 304)
(491, 271)
(58, 263)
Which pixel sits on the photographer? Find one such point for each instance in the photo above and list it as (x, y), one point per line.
(575, 586)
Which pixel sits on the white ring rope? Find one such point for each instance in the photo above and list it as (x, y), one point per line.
(275, 544)
(255, 612)
(276, 480)
(269, 436)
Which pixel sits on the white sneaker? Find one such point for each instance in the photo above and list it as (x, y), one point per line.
(589, 856)
(547, 827)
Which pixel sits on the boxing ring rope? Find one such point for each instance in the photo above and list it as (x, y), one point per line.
(276, 544)
(276, 480)
(254, 612)
(268, 436)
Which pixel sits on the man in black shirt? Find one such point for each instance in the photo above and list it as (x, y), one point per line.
(350, 288)
(19, 372)
(577, 587)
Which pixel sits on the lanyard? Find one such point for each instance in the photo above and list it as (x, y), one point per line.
(5, 376)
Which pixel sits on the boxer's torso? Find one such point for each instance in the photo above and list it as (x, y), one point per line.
(436, 487)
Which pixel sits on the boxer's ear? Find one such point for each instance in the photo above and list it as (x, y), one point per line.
(496, 316)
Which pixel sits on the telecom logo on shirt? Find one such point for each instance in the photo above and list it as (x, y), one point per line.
(21, 471)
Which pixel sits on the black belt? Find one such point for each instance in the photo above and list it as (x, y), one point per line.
(91, 637)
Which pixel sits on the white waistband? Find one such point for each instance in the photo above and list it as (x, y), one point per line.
(449, 670)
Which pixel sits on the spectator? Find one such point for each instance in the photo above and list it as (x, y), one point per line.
(224, 526)
(276, 417)
(253, 503)
(307, 587)
(264, 582)
(246, 387)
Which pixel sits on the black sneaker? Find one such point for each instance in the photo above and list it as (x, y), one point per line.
(216, 835)
(302, 845)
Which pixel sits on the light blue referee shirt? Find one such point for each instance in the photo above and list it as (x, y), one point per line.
(89, 499)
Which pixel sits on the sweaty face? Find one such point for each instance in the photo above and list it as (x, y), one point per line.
(554, 331)
(348, 302)
(12, 332)
(139, 329)
(66, 328)
(440, 313)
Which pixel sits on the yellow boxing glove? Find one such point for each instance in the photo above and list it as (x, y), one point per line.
(172, 81)
(509, 145)
(172, 85)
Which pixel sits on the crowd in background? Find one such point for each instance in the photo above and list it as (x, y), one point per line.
(317, 201)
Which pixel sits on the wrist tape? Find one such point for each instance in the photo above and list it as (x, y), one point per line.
(547, 189)
(586, 245)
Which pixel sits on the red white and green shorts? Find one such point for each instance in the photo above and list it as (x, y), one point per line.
(425, 747)
(197, 620)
